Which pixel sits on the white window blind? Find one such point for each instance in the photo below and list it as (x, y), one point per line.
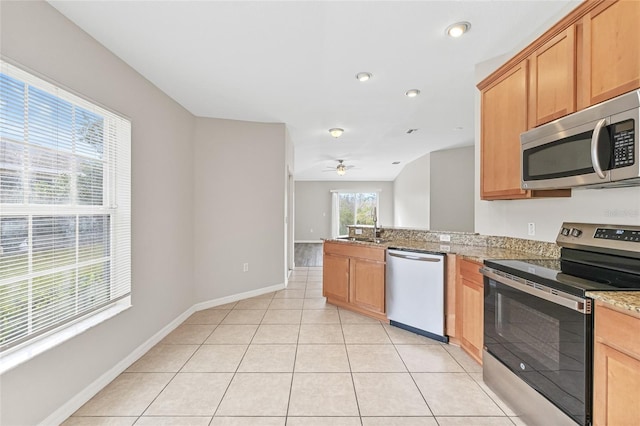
(65, 208)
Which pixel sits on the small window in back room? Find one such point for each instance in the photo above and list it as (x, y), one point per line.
(352, 208)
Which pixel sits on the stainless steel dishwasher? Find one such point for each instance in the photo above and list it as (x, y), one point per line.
(415, 292)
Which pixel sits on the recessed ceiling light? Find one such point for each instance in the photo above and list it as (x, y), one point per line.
(336, 132)
(364, 76)
(396, 162)
(411, 131)
(457, 29)
(412, 93)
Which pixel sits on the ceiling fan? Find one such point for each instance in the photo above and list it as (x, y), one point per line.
(341, 168)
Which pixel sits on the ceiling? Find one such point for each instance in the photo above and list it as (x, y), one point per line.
(295, 62)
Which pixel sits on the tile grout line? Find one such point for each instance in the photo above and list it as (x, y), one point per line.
(295, 357)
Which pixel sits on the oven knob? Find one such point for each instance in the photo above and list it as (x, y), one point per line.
(576, 232)
(565, 232)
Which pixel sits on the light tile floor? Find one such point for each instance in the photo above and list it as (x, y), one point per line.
(288, 358)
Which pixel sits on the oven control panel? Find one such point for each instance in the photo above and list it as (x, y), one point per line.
(618, 234)
(621, 240)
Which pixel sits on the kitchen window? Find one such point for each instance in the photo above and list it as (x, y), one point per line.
(65, 212)
(352, 208)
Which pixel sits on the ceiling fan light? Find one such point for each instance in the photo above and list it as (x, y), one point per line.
(336, 132)
(341, 170)
(364, 76)
(412, 93)
(457, 29)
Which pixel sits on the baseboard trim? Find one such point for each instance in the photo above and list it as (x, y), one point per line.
(236, 297)
(71, 406)
(309, 241)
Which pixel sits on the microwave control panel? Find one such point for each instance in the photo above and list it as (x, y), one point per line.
(624, 144)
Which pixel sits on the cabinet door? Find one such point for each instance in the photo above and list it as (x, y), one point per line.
(504, 117)
(616, 361)
(367, 285)
(471, 336)
(552, 83)
(470, 308)
(335, 277)
(611, 51)
(617, 380)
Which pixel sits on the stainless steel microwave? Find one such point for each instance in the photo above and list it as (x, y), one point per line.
(596, 147)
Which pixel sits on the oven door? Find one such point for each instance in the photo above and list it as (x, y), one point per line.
(544, 338)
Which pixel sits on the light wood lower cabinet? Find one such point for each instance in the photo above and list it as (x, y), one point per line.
(470, 308)
(353, 277)
(616, 382)
(367, 289)
(335, 277)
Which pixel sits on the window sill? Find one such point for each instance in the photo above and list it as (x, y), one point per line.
(23, 353)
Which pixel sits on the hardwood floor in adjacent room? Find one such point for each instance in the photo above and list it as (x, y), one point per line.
(308, 254)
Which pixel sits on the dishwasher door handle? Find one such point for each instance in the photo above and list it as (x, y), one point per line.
(422, 259)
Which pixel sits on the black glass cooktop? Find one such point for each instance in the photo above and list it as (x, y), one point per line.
(576, 272)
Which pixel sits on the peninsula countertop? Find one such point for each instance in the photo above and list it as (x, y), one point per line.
(469, 252)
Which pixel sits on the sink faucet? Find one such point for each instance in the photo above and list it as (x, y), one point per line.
(376, 231)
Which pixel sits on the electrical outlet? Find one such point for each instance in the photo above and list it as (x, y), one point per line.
(245, 267)
(311, 230)
(445, 238)
(531, 228)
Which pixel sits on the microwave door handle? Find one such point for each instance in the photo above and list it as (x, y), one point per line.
(595, 161)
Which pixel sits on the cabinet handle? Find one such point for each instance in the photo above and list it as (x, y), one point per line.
(594, 148)
(422, 259)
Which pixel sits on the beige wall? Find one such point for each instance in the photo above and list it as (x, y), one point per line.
(452, 184)
(209, 187)
(313, 205)
(35, 35)
(239, 175)
(435, 191)
(412, 194)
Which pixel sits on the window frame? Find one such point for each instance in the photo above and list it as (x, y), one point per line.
(335, 208)
(115, 205)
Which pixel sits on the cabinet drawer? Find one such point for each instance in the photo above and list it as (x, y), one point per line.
(355, 250)
(470, 270)
(617, 330)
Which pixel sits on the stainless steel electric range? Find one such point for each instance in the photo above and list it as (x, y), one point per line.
(538, 322)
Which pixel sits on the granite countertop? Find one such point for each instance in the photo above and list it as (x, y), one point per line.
(626, 300)
(469, 252)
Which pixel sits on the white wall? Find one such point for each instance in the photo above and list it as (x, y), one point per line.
(38, 37)
(240, 179)
(510, 218)
(412, 194)
(452, 186)
(313, 205)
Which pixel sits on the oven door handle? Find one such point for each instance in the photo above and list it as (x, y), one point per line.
(560, 298)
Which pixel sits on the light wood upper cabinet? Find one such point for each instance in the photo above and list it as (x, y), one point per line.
(610, 49)
(552, 82)
(504, 117)
(470, 308)
(591, 55)
(616, 400)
